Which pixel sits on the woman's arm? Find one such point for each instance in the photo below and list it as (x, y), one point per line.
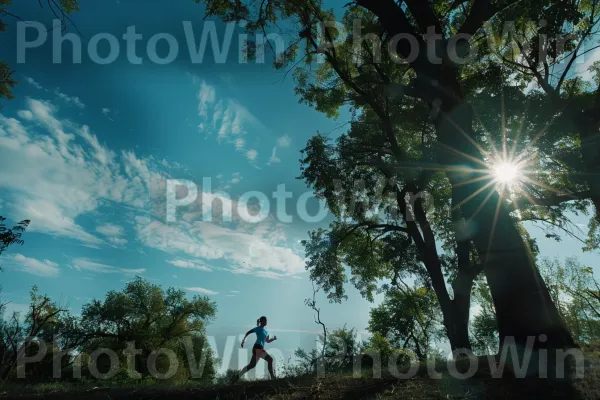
(247, 333)
(269, 340)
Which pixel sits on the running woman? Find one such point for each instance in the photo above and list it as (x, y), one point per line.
(258, 350)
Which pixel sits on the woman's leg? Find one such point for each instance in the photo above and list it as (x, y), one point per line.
(251, 365)
(269, 360)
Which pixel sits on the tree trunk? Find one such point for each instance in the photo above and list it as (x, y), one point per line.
(462, 286)
(523, 305)
(455, 318)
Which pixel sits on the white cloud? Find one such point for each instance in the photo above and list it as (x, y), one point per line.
(83, 264)
(235, 181)
(110, 230)
(32, 82)
(189, 265)
(113, 233)
(234, 291)
(32, 266)
(274, 159)
(225, 117)
(257, 251)
(25, 114)
(206, 97)
(117, 241)
(71, 100)
(239, 143)
(74, 174)
(284, 141)
(201, 290)
(71, 176)
(251, 154)
(107, 112)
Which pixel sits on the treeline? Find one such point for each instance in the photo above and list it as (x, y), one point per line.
(140, 333)
(407, 326)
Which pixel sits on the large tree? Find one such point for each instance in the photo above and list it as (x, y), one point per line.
(522, 302)
(384, 232)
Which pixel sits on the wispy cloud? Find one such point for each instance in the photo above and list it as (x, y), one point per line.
(84, 264)
(71, 100)
(76, 176)
(274, 159)
(45, 268)
(186, 264)
(33, 83)
(206, 97)
(258, 252)
(113, 233)
(111, 230)
(109, 114)
(251, 154)
(226, 118)
(284, 141)
(201, 290)
(85, 174)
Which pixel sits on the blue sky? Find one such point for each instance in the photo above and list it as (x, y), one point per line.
(85, 152)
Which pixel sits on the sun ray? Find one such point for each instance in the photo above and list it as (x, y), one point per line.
(529, 198)
(487, 185)
(519, 132)
(481, 178)
(483, 203)
(493, 231)
(543, 185)
(503, 124)
(486, 130)
(468, 137)
(452, 149)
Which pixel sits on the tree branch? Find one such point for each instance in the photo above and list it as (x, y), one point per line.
(423, 14)
(481, 12)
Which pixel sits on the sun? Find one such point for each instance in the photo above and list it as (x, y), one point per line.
(506, 173)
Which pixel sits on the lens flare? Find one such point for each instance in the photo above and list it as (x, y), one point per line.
(506, 172)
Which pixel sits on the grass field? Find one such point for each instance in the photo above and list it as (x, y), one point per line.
(335, 386)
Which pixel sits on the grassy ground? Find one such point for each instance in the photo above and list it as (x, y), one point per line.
(342, 387)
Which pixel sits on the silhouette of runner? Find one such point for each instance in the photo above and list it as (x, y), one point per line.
(258, 350)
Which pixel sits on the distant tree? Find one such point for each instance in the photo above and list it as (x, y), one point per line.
(142, 313)
(575, 291)
(341, 347)
(20, 336)
(484, 328)
(381, 346)
(151, 318)
(408, 319)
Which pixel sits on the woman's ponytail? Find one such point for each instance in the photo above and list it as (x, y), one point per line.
(258, 322)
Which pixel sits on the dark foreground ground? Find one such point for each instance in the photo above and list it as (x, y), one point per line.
(339, 387)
